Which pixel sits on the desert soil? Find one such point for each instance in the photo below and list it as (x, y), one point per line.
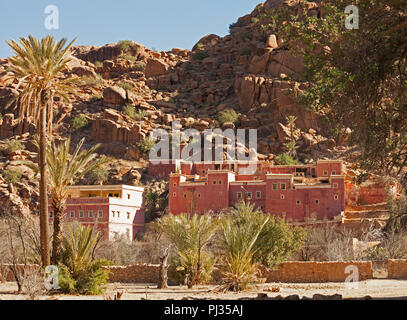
(378, 288)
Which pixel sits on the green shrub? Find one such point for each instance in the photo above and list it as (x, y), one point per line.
(98, 175)
(128, 57)
(146, 145)
(200, 55)
(228, 115)
(255, 20)
(98, 64)
(79, 122)
(286, 160)
(131, 112)
(93, 81)
(126, 86)
(125, 45)
(11, 145)
(139, 66)
(11, 176)
(79, 273)
(1, 116)
(95, 98)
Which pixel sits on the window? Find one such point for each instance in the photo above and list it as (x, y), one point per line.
(333, 172)
(72, 214)
(90, 214)
(100, 213)
(249, 195)
(116, 195)
(51, 214)
(258, 194)
(110, 195)
(239, 196)
(128, 196)
(336, 197)
(282, 197)
(114, 213)
(174, 184)
(316, 201)
(214, 182)
(81, 214)
(128, 215)
(298, 201)
(203, 171)
(220, 181)
(283, 186)
(274, 186)
(325, 173)
(335, 185)
(185, 195)
(199, 195)
(118, 214)
(174, 194)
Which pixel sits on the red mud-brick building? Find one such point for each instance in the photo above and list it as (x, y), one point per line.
(297, 193)
(112, 210)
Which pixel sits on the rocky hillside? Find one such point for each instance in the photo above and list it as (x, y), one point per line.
(130, 90)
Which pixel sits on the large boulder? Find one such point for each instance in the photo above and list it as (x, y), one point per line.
(156, 67)
(113, 96)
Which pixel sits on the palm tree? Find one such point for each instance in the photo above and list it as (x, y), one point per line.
(241, 230)
(191, 235)
(64, 170)
(37, 66)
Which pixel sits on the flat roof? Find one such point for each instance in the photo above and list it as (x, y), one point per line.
(106, 187)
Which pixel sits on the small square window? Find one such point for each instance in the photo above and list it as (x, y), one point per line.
(258, 194)
(282, 197)
(274, 186)
(220, 181)
(185, 195)
(100, 214)
(325, 173)
(335, 185)
(249, 195)
(81, 214)
(199, 195)
(283, 186)
(128, 215)
(114, 213)
(128, 196)
(316, 201)
(174, 184)
(72, 214)
(118, 214)
(90, 214)
(336, 197)
(298, 201)
(174, 194)
(214, 182)
(333, 172)
(116, 195)
(239, 196)
(203, 171)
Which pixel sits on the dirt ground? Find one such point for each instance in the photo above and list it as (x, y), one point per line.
(378, 288)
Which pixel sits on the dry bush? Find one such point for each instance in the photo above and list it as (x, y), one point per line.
(33, 284)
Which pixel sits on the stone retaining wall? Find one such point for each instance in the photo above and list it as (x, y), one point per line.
(317, 271)
(397, 269)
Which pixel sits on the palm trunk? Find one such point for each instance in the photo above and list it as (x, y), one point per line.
(163, 275)
(58, 207)
(44, 217)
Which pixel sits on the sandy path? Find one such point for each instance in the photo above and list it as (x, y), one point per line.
(379, 288)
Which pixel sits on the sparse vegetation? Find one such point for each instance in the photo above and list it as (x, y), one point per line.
(79, 122)
(228, 115)
(126, 86)
(11, 176)
(93, 81)
(146, 145)
(11, 145)
(98, 64)
(125, 45)
(131, 112)
(139, 66)
(200, 55)
(128, 57)
(285, 159)
(98, 175)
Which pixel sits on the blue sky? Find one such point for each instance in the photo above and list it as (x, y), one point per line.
(159, 24)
